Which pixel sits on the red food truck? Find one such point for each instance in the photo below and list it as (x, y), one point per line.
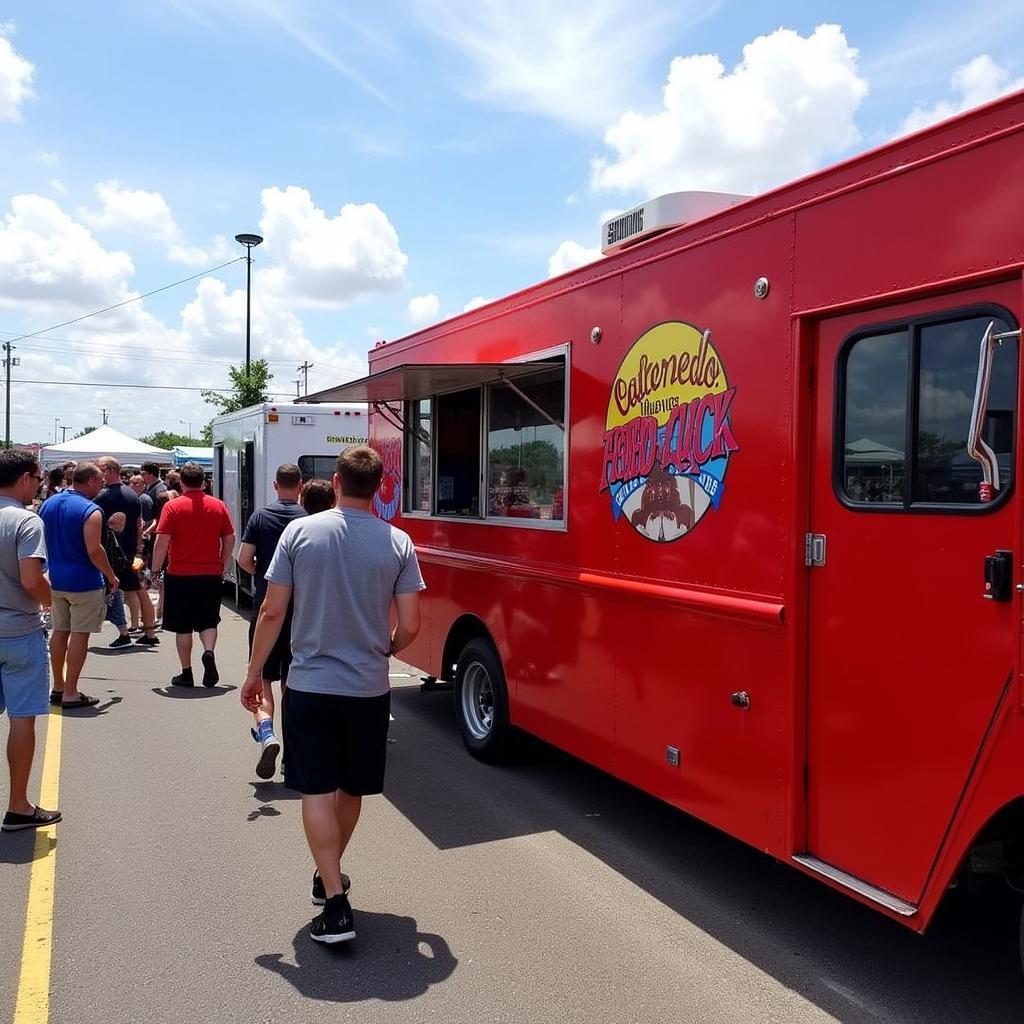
(733, 513)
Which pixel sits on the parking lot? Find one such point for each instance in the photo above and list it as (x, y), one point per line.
(544, 891)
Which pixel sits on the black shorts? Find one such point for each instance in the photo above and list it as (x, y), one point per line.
(334, 742)
(191, 603)
(129, 581)
(280, 658)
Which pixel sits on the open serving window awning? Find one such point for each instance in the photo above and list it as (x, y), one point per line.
(412, 381)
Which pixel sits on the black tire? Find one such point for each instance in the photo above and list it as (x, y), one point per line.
(1021, 940)
(481, 702)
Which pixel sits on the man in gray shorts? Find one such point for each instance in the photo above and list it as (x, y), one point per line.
(346, 568)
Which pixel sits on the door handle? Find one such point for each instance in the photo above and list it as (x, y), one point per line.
(998, 576)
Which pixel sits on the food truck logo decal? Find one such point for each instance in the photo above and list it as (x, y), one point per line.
(668, 438)
(389, 495)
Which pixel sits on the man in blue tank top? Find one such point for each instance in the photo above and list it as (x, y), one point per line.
(78, 567)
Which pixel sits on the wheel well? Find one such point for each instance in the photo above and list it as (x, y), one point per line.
(999, 847)
(464, 629)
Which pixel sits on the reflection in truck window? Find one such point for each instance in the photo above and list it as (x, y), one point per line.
(318, 467)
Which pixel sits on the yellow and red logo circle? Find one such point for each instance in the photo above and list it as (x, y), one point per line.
(668, 439)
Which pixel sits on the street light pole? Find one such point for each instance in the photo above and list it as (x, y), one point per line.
(8, 349)
(189, 422)
(56, 420)
(250, 242)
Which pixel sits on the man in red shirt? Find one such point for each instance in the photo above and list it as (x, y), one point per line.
(195, 531)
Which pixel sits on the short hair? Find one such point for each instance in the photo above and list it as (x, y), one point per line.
(56, 477)
(137, 476)
(15, 463)
(317, 496)
(108, 462)
(191, 474)
(152, 468)
(288, 475)
(360, 471)
(85, 472)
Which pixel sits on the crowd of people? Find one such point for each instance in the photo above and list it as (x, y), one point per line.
(328, 576)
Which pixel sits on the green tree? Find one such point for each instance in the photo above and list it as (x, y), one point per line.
(247, 389)
(541, 461)
(83, 432)
(166, 439)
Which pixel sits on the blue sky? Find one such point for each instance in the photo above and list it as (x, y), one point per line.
(403, 159)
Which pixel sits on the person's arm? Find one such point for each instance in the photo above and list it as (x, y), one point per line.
(92, 532)
(227, 546)
(268, 628)
(247, 556)
(408, 608)
(34, 581)
(160, 546)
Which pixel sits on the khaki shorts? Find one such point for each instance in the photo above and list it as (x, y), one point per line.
(81, 612)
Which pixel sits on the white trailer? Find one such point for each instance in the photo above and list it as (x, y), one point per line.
(250, 444)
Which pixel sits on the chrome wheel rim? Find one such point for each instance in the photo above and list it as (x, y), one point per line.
(478, 701)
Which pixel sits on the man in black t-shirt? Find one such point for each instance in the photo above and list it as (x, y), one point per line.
(118, 497)
(259, 542)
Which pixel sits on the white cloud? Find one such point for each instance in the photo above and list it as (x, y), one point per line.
(328, 262)
(972, 84)
(149, 215)
(790, 102)
(51, 263)
(423, 309)
(569, 256)
(53, 268)
(46, 157)
(16, 74)
(475, 303)
(578, 61)
(58, 186)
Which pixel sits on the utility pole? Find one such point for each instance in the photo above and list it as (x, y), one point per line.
(8, 362)
(56, 420)
(250, 242)
(297, 383)
(304, 370)
(104, 411)
(63, 433)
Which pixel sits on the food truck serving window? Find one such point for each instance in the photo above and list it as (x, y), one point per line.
(906, 393)
(317, 467)
(494, 451)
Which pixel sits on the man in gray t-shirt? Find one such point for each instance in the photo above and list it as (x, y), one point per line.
(345, 569)
(24, 590)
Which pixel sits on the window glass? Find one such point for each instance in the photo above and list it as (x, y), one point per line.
(418, 486)
(457, 424)
(949, 370)
(317, 467)
(875, 425)
(525, 450)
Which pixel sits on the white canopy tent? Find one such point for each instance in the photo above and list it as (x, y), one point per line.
(104, 441)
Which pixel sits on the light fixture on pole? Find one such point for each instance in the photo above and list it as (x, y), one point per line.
(250, 242)
(189, 422)
(298, 394)
(56, 420)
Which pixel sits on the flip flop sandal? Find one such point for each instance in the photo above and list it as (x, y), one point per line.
(56, 696)
(37, 819)
(84, 701)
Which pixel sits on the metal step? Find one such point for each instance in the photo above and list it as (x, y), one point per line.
(857, 885)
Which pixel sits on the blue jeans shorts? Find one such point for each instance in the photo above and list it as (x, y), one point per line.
(24, 675)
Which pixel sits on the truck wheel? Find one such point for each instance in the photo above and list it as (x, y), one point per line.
(1021, 943)
(481, 702)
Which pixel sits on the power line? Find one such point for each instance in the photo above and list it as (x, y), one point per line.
(134, 298)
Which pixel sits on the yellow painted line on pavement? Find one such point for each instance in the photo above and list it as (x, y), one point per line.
(33, 1004)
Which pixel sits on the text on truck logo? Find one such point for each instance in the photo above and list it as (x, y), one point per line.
(668, 437)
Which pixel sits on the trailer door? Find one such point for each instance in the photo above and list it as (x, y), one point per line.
(908, 660)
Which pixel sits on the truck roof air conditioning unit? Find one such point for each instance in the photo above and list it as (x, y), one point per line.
(659, 214)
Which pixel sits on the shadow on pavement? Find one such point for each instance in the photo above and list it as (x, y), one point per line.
(386, 961)
(116, 652)
(847, 959)
(191, 692)
(95, 711)
(269, 793)
(20, 847)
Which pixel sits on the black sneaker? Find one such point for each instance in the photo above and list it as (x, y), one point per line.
(335, 924)
(124, 640)
(319, 895)
(211, 677)
(148, 641)
(185, 679)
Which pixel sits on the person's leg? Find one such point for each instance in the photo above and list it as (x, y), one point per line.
(147, 611)
(209, 639)
(346, 811)
(78, 648)
(115, 614)
(324, 836)
(133, 609)
(58, 655)
(21, 748)
(183, 644)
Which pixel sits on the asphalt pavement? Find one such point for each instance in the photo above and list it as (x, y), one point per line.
(540, 892)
